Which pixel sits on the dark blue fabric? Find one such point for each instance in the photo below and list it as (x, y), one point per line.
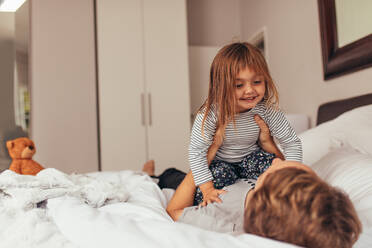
(225, 174)
(170, 178)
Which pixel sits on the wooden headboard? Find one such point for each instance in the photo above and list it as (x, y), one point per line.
(331, 110)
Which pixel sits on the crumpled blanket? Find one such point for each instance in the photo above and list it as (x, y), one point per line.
(24, 202)
(27, 192)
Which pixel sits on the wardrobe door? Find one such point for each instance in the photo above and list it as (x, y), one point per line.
(63, 84)
(167, 82)
(121, 84)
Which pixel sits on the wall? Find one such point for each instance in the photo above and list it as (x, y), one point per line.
(293, 44)
(295, 55)
(63, 83)
(21, 80)
(213, 22)
(6, 69)
(6, 81)
(200, 59)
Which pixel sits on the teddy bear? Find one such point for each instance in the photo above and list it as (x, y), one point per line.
(21, 151)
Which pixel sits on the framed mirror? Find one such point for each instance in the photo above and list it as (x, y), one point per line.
(342, 53)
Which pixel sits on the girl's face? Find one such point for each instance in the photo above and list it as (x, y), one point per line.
(249, 89)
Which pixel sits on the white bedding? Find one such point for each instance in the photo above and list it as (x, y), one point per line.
(127, 209)
(139, 221)
(340, 151)
(23, 224)
(352, 129)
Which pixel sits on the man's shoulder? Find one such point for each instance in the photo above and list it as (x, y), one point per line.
(221, 217)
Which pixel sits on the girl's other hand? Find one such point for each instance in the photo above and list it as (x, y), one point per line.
(210, 194)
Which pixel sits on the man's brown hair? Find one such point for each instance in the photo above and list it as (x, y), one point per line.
(298, 207)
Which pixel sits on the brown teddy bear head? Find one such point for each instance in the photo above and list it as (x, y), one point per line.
(21, 148)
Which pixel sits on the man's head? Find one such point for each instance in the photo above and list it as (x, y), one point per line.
(292, 204)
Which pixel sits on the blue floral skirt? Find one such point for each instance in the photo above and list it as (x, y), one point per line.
(225, 174)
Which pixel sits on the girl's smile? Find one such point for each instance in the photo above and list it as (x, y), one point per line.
(248, 99)
(249, 89)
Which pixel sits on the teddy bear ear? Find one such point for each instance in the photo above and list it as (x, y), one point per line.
(10, 144)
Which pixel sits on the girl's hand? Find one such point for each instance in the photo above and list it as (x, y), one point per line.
(210, 194)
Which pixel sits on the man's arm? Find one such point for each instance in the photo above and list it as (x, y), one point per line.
(266, 140)
(184, 197)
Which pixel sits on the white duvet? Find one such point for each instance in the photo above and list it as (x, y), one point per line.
(24, 218)
(134, 216)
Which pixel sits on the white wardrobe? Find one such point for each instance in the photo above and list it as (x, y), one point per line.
(144, 98)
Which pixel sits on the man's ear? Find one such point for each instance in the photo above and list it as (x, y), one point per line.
(10, 144)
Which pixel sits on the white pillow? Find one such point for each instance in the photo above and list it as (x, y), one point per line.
(351, 129)
(351, 171)
(315, 143)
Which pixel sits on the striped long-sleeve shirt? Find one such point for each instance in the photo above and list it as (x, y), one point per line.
(241, 141)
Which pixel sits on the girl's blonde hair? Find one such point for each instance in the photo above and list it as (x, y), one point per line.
(227, 64)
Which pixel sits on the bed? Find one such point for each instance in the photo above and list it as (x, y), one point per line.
(127, 209)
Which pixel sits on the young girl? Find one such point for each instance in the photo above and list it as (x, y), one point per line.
(240, 90)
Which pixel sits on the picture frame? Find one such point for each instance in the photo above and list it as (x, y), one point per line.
(338, 61)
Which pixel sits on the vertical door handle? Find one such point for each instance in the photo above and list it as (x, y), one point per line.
(150, 109)
(143, 109)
